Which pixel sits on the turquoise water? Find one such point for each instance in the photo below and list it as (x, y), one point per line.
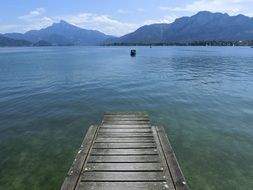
(203, 96)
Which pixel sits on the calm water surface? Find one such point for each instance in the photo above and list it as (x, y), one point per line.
(203, 96)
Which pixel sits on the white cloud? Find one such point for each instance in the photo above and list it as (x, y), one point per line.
(34, 20)
(121, 11)
(103, 23)
(233, 7)
(32, 14)
(165, 19)
(39, 23)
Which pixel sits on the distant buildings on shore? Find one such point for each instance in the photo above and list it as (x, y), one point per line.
(193, 43)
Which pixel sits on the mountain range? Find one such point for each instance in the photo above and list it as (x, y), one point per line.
(4, 41)
(201, 26)
(62, 33)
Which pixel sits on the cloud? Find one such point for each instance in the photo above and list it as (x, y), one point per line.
(32, 14)
(233, 7)
(34, 20)
(103, 23)
(165, 19)
(121, 11)
(39, 23)
(37, 19)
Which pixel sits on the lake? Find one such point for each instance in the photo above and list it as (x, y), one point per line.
(203, 96)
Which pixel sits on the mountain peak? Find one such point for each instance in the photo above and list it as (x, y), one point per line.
(63, 33)
(63, 22)
(204, 13)
(208, 13)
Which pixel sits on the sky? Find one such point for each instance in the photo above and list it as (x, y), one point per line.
(112, 17)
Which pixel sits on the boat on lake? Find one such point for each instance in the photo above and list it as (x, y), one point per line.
(133, 52)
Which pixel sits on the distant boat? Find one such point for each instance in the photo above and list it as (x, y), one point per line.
(133, 53)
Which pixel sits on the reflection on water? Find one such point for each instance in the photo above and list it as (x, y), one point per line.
(202, 95)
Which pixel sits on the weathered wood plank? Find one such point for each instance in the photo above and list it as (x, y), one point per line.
(125, 116)
(125, 140)
(175, 170)
(74, 173)
(163, 161)
(124, 167)
(126, 122)
(125, 130)
(125, 126)
(121, 152)
(123, 176)
(125, 159)
(126, 113)
(126, 119)
(124, 135)
(123, 186)
(124, 145)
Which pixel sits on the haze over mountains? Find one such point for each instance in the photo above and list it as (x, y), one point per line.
(202, 26)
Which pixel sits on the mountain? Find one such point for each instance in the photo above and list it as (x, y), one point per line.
(4, 41)
(202, 26)
(42, 43)
(62, 33)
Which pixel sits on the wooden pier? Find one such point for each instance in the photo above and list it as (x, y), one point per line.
(125, 153)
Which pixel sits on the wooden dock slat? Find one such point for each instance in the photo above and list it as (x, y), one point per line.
(126, 122)
(125, 140)
(123, 186)
(151, 151)
(123, 145)
(163, 161)
(124, 126)
(123, 176)
(102, 130)
(74, 173)
(125, 159)
(124, 167)
(124, 135)
(175, 170)
(125, 119)
(125, 153)
(126, 113)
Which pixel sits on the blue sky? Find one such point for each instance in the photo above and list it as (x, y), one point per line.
(109, 16)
